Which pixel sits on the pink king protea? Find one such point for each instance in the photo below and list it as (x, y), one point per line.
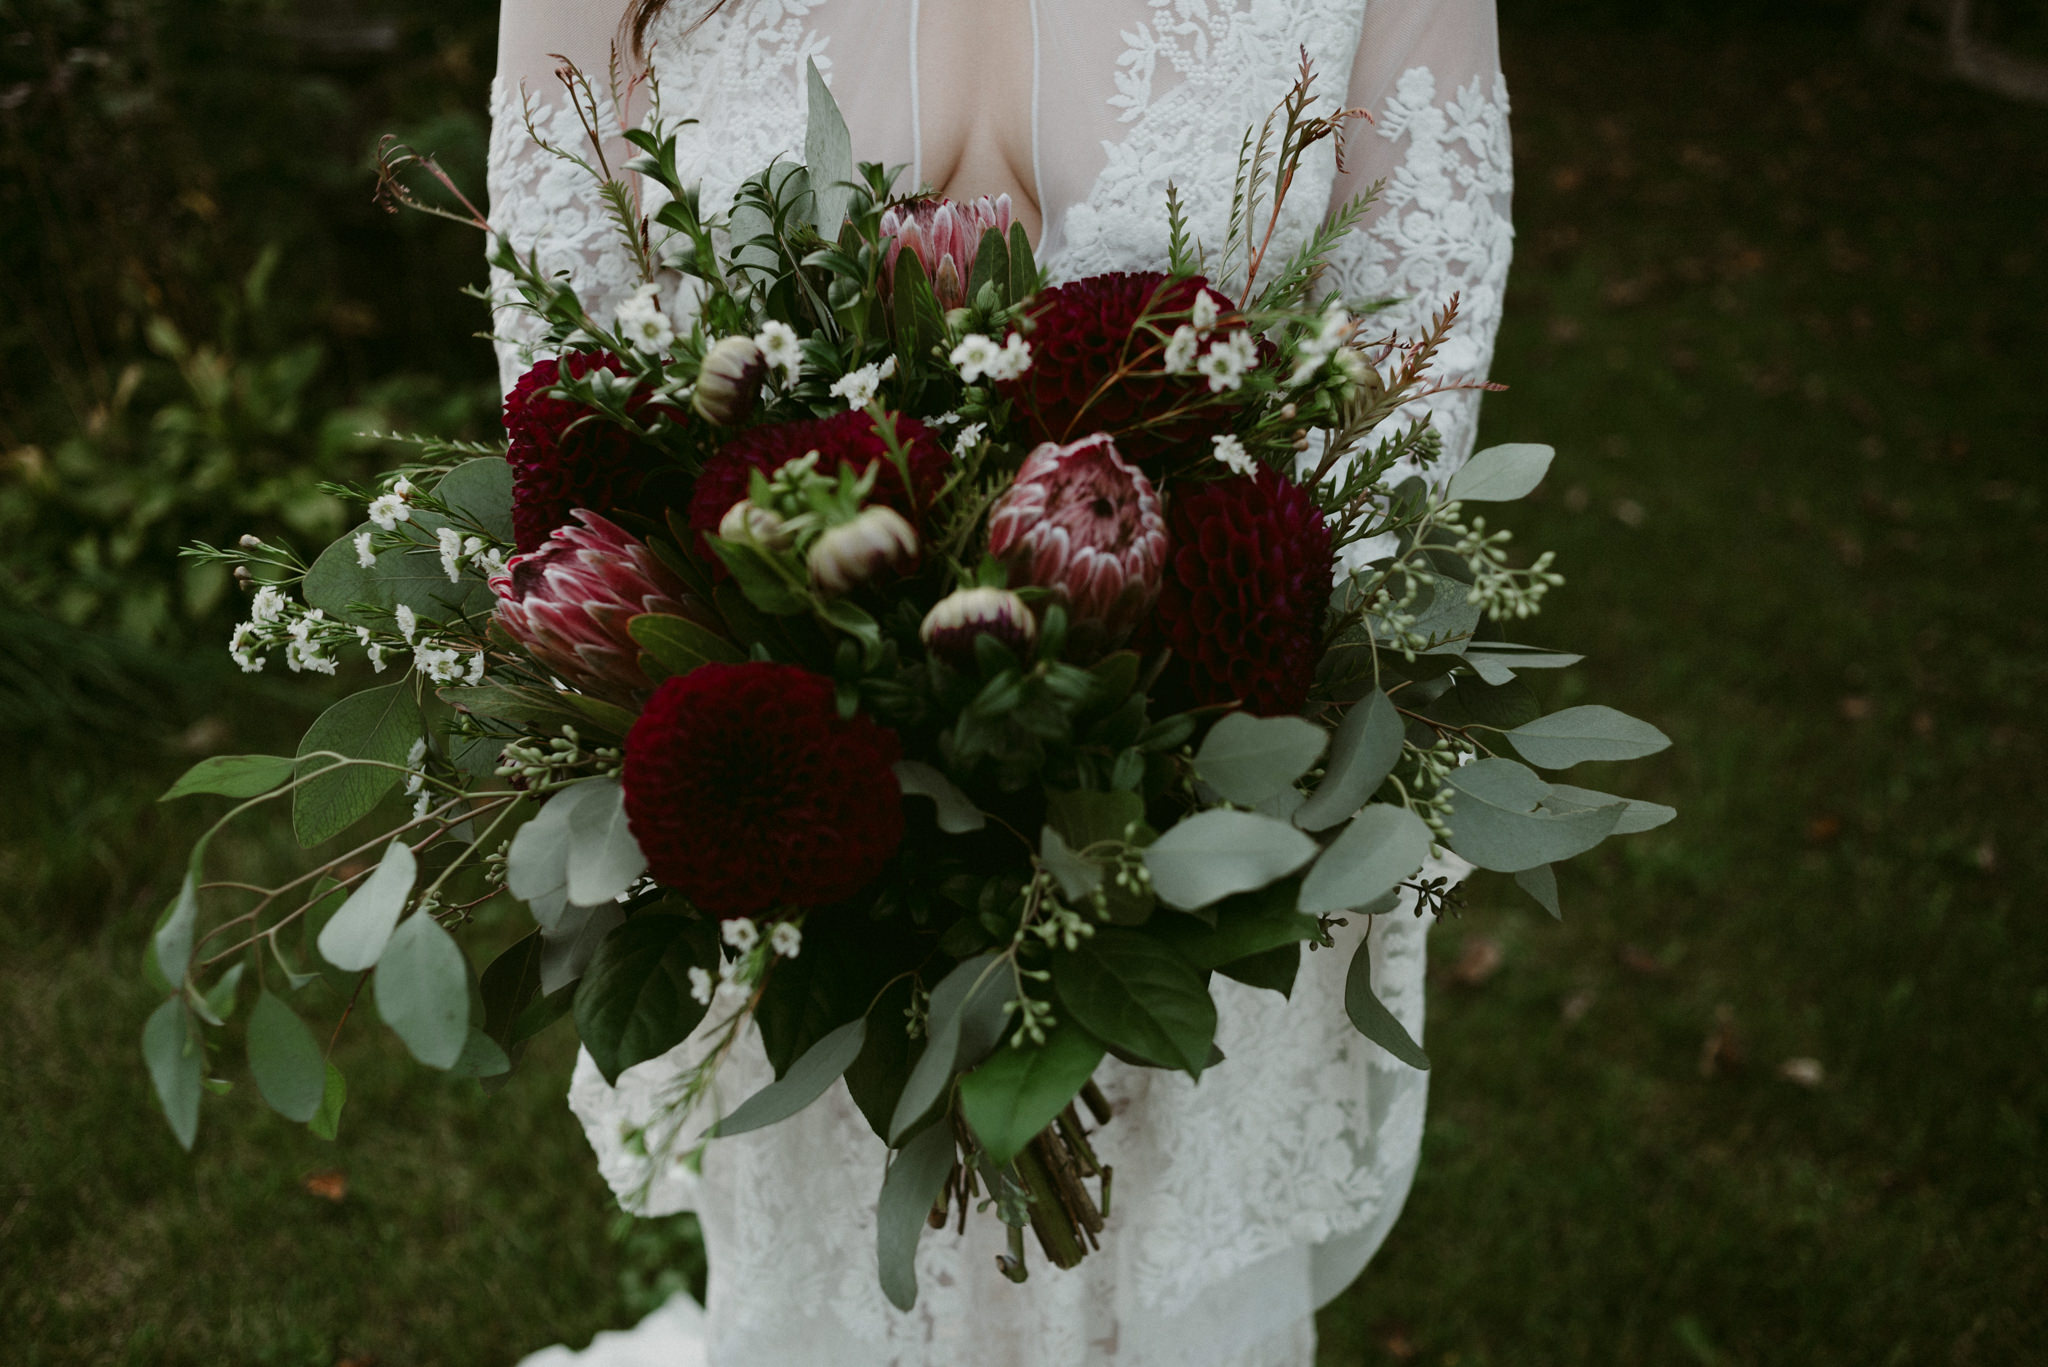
(569, 603)
(944, 236)
(1082, 521)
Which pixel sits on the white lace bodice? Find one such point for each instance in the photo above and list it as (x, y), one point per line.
(1244, 1202)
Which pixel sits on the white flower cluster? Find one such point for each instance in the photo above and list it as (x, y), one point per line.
(979, 356)
(457, 549)
(641, 321)
(275, 621)
(859, 387)
(416, 781)
(1231, 452)
(778, 343)
(1329, 341)
(387, 511)
(1223, 364)
(743, 935)
(445, 663)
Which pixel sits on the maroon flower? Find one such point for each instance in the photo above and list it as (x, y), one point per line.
(1081, 521)
(749, 792)
(1083, 344)
(569, 604)
(1247, 584)
(944, 236)
(563, 455)
(844, 439)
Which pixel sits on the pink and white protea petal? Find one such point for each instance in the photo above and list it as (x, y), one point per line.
(1082, 521)
(570, 602)
(950, 628)
(944, 235)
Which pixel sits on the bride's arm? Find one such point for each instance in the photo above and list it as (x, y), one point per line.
(1428, 71)
(537, 201)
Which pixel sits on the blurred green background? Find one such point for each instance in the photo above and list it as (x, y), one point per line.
(1775, 1090)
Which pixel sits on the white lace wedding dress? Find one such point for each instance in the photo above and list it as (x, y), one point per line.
(1247, 1201)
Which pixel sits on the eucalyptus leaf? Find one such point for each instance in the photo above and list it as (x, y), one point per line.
(966, 1016)
(1018, 1092)
(680, 645)
(957, 813)
(1636, 815)
(173, 940)
(481, 1057)
(326, 1122)
(1213, 854)
(537, 863)
(1497, 823)
(1501, 474)
(1249, 759)
(567, 948)
(1273, 969)
(355, 937)
(1362, 754)
(1382, 845)
(422, 988)
(480, 490)
(1078, 878)
(1370, 1015)
(604, 859)
(285, 1060)
(176, 1067)
(828, 156)
(1578, 734)
(1132, 991)
(377, 725)
(232, 776)
(1541, 884)
(633, 1002)
(1248, 924)
(909, 1190)
(805, 1081)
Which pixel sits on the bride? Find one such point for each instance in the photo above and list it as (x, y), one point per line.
(1259, 1194)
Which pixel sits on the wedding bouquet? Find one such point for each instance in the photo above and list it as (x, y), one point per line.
(944, 674)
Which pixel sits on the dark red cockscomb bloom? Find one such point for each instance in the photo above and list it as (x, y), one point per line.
(1247, 584)
(560, 464)
(1084, 333)
(846, 439)
(748, 791)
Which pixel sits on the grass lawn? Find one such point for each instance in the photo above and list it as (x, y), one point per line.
(1782, 312)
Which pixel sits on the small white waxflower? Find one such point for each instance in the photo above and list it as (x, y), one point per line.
(1226, 361)
(1335, 330)
(700, 987)
(242, 647)
(365, 557)
(943, 420)
(451, 553)
(786, 939)
(779, 348)
(1180, 350)
(859, 387)
(969, 435)
(1014, 360)
(975, 355)
(642, 323)
(403, 488)
(438, 663)
(268, 606)
(491, 561)
(388, 510)
(741, 933)
(474, 675)
(1204, 313)
(1231, 452)
(408, 622)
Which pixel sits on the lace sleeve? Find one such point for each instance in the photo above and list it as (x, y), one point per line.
(539, 201)
(1428, 71)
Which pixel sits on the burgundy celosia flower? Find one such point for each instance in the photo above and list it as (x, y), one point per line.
(843, 439)
(1247, 584)
(1084, 522)
(569, 603)
(749, 792)
(1084, 339)
(944, 236)
(563, 455)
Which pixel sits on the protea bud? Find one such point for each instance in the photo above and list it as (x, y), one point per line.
(1083, 522)
(854, 552)
(950, 627)
(569, 602)
(729, 381)
(762, 526)
(944, 236)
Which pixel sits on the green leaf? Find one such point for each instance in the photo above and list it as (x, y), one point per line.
(680, 645)
(232, 776)
(173, 941)
(1078, 878)
(1213, 854)
(1501, 474)
(1497, 661)
(1250, 759)
(965, 1019)
(1018, 1092)
(422, 988)
(1248, 924)
(526, 707)
(828, 156)
(1083, 818)
(1023, 270)
(1578, 734)
(1497, 823)
(820, 1066)
(1362, 754)
(1636, 815)
(1541, 884)
(409, 574)
(284, 1058)
(957, 814)
(481, 491)
(1370, 1015)
(217, 1003)
(1382, 845)
(604, 859)
(1274, 969)
(909, 1191)
(356, 936)
(481, 1057)
(1133, 992)
(991, 264)
(326, 1122)
(378, 724)
(633, 1002)
(176, 1067)
(1503, 706)
(509, 985)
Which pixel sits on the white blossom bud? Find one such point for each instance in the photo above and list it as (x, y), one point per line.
(854, 552)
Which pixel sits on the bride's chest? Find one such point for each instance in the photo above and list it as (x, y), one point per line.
(1089, 107)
